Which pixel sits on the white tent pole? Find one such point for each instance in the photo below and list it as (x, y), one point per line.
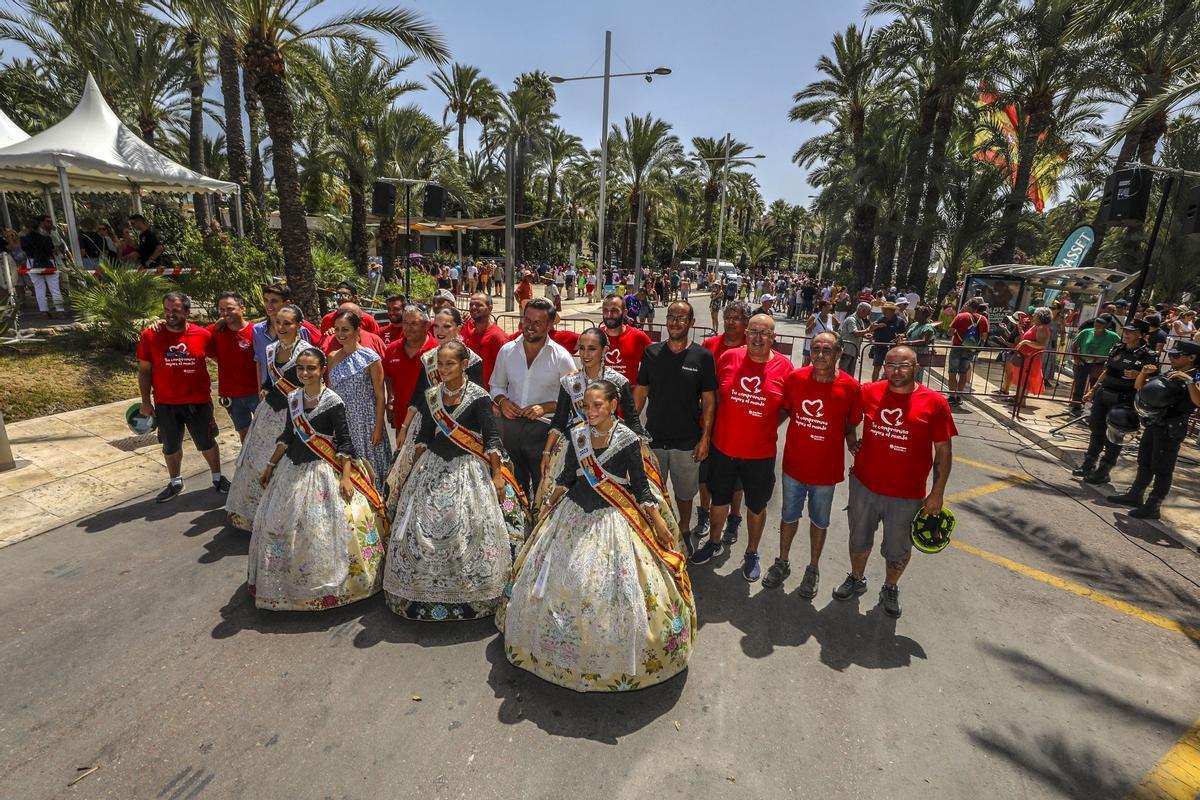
(4, 207)
(238, 222)
(69, 213)
(49, 204)
(137, 199)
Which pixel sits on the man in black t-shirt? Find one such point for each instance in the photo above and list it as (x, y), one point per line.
(149, 247)
(680, 379)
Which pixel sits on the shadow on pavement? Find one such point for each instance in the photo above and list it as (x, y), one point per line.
(1143, 530)
(205, 501)
(599, 716)
(1075, 560)
(381, 624)
(240, 614)
(228, 541)
(1067, 769)
(1031, 670)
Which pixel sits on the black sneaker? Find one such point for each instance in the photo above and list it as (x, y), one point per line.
(808, 586)
(730, 535)
(1130, 498)
(889, 598)
(701, 526)
(707, 552)
(850, 587)
(221, 485)
(777, 574)
(751, 570)
(169, 493)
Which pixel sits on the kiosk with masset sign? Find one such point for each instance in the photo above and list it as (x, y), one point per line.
(1008, 288)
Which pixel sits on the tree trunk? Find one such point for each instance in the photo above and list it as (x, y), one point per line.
(235, 139)
(551, 179)
(711, 193)
(915, 168)
(258, 182)
(1011, 217)
(462, 123)
(358, 223)
(519, 200)
(863, 248)
(886, 262)
(387, 247)
(196, 129)
(272, 91)
(917, 275)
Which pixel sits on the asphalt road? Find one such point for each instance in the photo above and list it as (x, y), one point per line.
(128, 643)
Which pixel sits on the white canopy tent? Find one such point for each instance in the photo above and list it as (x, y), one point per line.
(9, 134)
(91, 150)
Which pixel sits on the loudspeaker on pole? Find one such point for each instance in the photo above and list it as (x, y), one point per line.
(1191, 213)
(383, 199)
(1126, 197)
(435, 202)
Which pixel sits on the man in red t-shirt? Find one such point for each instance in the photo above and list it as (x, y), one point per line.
(824, 407)
(172, 365)
(232, 347)
(906, 433)
(734, 319)
(962, 358)
(343, 294)
(402, 362)
(394, 330)
(625, 344)
(482, 335)
(750, 385)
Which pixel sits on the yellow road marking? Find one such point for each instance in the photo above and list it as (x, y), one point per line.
(1177, 775)
(987, 488)
(1019, 475)
(1166, 623)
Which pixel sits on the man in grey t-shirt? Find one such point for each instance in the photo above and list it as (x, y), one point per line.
(851, 334)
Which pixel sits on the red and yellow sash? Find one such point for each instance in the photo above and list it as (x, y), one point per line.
(323, 446)
(277, 378)
(468, 440)
(623, 501)
(429, 362)
(575, 385)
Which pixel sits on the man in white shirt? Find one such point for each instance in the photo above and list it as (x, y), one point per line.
(913, 298)
(569, 275)
(554, 295)
(524, 386)
(454, 276)
(472, 277)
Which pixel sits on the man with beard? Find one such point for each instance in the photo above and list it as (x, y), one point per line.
(625, 344)
(680, 380)
(525, 386)
(345, 292)
(907, 430)
(232, 347)
(172, 366)
(483, 335)
(394, 330)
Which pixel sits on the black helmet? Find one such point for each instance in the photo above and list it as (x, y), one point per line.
(1122, 421)
(1155, 397)
(931, 532)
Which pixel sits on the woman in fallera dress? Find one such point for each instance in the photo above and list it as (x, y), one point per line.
(446, 326)
(245, 490)
(599, 600)
(459, 514)
(317, 538)
(356, 375)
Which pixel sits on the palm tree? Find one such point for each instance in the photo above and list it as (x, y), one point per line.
(554, 149)
(527, 118)
(679, 223)
(710, 157)
(357, 88)
(271, 35)
(759, 250)
(642, 151)
(229, 66)
(851, 87)
(467, 95)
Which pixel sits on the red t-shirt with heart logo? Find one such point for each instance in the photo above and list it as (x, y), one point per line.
(896, 454)
(818, 414)
(749, 397)
(178, 369)
(625, 351)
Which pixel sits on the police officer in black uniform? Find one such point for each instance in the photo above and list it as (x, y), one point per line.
(1165, 427)
(1115, 388)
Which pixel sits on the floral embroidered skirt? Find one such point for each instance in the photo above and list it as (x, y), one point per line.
(245, 493)
(310, 549)
(592, 608)
(452, 541)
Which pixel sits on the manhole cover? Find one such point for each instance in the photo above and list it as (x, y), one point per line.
(131, 443)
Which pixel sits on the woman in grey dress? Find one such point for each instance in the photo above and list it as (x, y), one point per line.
(356, 375)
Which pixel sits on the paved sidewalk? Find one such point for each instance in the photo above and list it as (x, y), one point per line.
(79, 462)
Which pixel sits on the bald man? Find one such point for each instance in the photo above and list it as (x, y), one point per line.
(907, 430)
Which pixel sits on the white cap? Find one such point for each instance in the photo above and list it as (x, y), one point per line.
(766, 297)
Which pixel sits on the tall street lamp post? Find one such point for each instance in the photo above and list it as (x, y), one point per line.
(608, 74)
(724, 185)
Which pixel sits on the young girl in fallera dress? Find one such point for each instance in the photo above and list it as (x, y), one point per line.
(459, 514)
(318, 534)
(245, 492)
(600, 601)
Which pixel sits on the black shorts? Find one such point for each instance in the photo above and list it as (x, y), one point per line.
(196, 417)
(706, 470)
(756, 475)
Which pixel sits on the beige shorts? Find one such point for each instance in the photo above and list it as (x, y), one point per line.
(681, 470)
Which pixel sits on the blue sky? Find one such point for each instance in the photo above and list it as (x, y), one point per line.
(735, 67)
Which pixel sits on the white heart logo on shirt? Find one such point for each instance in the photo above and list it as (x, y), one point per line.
(751, 384)
(892, 416)
(177, 348)
(812, 408)
(612, 358)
